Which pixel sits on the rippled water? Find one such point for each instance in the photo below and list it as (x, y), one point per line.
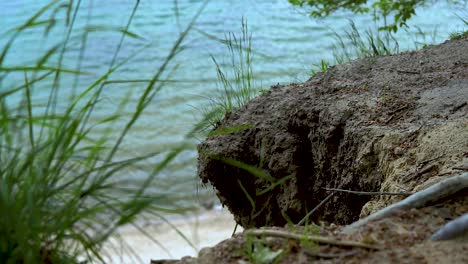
(291, 41)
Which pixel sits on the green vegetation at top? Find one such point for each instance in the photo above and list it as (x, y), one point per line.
(352, 44)
(402, 10)
(460, 34)
(355, 43)
(236, 79)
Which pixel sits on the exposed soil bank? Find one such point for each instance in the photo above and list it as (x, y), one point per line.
(388, 124)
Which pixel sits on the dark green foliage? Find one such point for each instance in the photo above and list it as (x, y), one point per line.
(402, 10)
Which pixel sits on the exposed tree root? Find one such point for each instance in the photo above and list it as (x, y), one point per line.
(370, 193)
(324, 201)
(453, 229)
(420, 199)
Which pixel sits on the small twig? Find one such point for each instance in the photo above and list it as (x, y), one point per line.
(410, 72)
(419, 173)
(235, 229)
(393, 114)
(318, 239)
(315, 209)
(329, 255)
(463, 168)
(370, 193)
(458, 107)
(405, 189)
(435, 193)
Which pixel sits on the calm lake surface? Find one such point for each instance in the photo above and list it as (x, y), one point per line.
(286, 41)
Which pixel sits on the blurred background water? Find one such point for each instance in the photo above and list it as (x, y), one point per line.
(290, 41)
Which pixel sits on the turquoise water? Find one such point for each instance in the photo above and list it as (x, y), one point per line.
(292, 41)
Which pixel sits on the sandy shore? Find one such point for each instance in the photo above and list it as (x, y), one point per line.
(202, 229)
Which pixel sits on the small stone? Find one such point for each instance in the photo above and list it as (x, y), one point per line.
(398, 151)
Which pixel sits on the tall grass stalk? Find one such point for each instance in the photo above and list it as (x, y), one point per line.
(236, 80)
(462, 33)
(353, 45)
(61, 196)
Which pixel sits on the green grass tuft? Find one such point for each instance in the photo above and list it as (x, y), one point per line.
(61, 191)
(460, 34)
(353, 45)
(236, 79)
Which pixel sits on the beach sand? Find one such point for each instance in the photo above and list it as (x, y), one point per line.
(204, 228)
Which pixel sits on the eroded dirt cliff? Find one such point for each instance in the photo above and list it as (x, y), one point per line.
(390, 124)
(387, 124)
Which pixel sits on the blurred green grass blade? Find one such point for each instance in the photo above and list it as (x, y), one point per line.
(251, 200)
(41, 68)
(32, 19)
(122, 30)
(273, 185)
(69, 10)
(254, 170)
(48, 54)
(115, 166)
(4, 124)
(177, 15)
(53, 94)
(47, 22)
(144, 98)
(30, 116)
(58, 188)
(180, 233)
(16, 89)
(31, 22)
(100, 80)
(229, 130)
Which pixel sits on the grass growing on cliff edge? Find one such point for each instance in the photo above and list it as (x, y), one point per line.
(236, 83)
(353, 45)
(460, 34)
(61, 194)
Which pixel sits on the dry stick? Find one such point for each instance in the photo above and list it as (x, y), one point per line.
(420, 199)
(370, 193)
(235, 229)
(341, 190)
(318, 239)
(315, 209)
(409, 72)
(329, 255)
(463, 168)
